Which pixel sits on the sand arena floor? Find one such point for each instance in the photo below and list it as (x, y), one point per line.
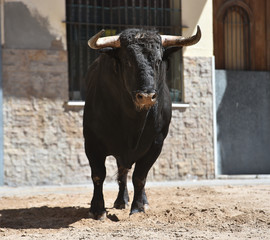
(177, 211)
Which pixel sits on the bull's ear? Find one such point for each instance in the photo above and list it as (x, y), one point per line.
(110, 51)
(113, 53)
(169, 51)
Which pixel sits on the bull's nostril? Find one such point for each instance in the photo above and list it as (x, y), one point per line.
(145, 100)
(139, 96)
(146, 97)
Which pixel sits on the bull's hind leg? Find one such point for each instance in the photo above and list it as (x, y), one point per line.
(141, 170)
(98, 174)
(122, 199)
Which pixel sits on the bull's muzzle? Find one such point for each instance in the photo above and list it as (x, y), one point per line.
(145, 100)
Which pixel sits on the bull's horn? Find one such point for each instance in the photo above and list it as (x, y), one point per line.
(98, 42)
(179, 41)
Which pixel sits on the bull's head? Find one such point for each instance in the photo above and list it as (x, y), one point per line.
(141, 54)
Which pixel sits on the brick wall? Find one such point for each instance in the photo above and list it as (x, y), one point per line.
(43, 141)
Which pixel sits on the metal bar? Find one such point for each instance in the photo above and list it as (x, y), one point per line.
(81, 47)
(119, 16)
(133, 13)
(148, 13)
(173, 65)
(155, 12)
(162, 14)
(166, 13)
(95, 15)
(172, 18)
(71, 53)
(121, 25)
(126, 12)
(180, 3)
(87, 28)
(181, 57)
(80, 52)
(141, 14)
(103, 14)
(111, 17)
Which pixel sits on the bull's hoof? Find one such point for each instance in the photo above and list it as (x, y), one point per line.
(120, 205)
(139, 209)
(146, 206)
(136, 210)
(98, 216)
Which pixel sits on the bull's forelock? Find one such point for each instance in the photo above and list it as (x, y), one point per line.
(133, 36)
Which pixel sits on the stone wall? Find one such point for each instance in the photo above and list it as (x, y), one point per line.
(43, 141)
(188, 151)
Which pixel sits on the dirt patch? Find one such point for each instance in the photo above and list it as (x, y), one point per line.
(218, 212)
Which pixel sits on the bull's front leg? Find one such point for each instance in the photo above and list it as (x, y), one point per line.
(142, 167)
(98, 174)
(97, 209)
(140, 202)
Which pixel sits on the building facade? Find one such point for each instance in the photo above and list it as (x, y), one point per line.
(42, 127)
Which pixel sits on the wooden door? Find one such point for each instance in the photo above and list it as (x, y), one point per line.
(255, 38)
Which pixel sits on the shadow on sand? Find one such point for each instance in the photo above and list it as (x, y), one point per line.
(41, 217)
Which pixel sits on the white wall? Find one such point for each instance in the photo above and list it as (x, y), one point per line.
(53, 11)
(198, 12)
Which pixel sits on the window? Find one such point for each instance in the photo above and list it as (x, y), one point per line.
(86, 17)
(236, 39)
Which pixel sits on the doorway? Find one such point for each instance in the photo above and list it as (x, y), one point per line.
(242, 86)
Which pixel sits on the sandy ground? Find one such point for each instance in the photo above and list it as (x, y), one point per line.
(176, 212)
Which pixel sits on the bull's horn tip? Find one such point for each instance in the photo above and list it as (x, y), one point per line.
(199, 30)
(90, 44)
(92, 40)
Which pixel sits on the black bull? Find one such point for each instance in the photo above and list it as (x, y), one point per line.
(127, 110)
